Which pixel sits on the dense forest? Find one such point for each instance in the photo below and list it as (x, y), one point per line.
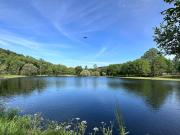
(152, 63)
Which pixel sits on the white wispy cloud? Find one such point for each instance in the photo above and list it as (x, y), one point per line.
(74, 18)
(101, 52)
(10, 39)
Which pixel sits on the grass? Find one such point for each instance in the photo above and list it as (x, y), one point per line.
(13, 124)
(165, 78)
(10, 76)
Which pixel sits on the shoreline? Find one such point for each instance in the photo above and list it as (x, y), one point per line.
(11, 76)
(21, 76)
(150, 78)
(161, 78)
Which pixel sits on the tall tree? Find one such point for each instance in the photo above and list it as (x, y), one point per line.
(156, 60)
(159, 66)
(167, 35)
(95, 66)
(141, 67)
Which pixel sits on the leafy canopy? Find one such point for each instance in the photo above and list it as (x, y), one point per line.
(167, 35)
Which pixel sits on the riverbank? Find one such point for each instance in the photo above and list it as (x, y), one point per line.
(10, 76)
(19, 76)
(163, 78)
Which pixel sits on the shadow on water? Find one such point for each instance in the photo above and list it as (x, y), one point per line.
(18, 86)
(153, 92)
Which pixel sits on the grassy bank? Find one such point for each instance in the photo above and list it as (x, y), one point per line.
(13, 124)
(165, 78)
(10, 76)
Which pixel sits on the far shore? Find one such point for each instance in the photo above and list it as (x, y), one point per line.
(152, 78)
(11, 76)
(20, 76)
(165, 78)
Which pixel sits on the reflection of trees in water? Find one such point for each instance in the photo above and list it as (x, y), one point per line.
(178, 92)
(60, 82)
(24, 86)
(2, 107)
(154, 92)
(95, 82)
(87, 82)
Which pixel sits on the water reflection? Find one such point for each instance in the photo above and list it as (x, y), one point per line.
(23, 86)
(93, 99)
(153, 92)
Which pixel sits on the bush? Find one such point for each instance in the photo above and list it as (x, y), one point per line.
(95, 73)
(29, 69)
(85, 73)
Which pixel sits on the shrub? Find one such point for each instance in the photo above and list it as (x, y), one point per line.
(29, 69)
(85, 73)
(95, 73)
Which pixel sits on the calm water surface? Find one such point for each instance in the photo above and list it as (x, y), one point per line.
(148, 107)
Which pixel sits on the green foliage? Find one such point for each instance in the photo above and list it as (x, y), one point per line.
(85, 73)
(95, 66)
(176, 62)
(170, 66)
(141, 67)
(95, 73)
(114, 70)
(13, 124)
(29, 69)
(158, 63)
(159, 66)
(120, 121)
(86, 68)
(151, 54)
(152, 63)
(16, 64)
(70, 71)
(138, 67)
(78, 70)
(167, 35)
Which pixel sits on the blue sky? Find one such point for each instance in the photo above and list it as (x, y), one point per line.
(117, 30)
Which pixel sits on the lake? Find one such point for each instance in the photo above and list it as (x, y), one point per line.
(148, 107)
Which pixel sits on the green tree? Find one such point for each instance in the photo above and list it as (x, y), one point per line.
(156, 60)
(167, 35)
(78, 70)
(95, 66)
(114, 70)
(102, 70)
(3, 69)
(176, 62)
(86, 67)
(170, 66)
(159, 66)
(95, 73)
(151, 54)
(70, 71)
(141, 67)
(29, 69)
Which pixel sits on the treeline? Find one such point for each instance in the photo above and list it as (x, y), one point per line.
(152, 63)
(16, 64)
